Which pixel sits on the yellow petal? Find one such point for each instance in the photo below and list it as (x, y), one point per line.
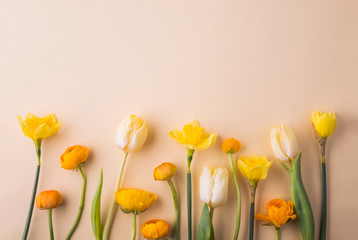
(208, 139)
(25, 129)
(42, 131)
(177, 136)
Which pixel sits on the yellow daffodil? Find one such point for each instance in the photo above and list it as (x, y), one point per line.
(73, 157)
(164, 171)
(155, 229)
(324, 123)
(134, 200)
(231, 145)
(255, 167)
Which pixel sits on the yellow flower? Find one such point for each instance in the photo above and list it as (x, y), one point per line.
(155, 229)
(74, 156)
(231, 145)
(164, 171)
(39, 128)
(48, 199)
(324, 123)
(255, 167)
(193, 136)
(134, 200)
(279, 212)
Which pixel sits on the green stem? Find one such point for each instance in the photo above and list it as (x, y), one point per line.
(80, 209)
(176, 210)
(238, 196)
(50, 227)
(188, 189)
(34, 190)
(134, 226)
(324, 194)
(252, 211)
(277, 233)
(113, 208)
(211, 211)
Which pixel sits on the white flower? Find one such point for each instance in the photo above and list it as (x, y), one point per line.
(214, 186)
(284, 143)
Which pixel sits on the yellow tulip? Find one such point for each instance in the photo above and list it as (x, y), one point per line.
(155, 229)
(48, 199)
(324, 123)
(39, 128)
(279, 212)
(134, 200)
(193, 136)
(254, 168)
(74, 156)
(164, 171)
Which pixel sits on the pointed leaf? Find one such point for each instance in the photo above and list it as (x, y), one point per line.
(96, 210)
(206, 230)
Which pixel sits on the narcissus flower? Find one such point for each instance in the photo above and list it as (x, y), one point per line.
(278, 212)
(255, 167)
(134, 200)
(155, 229)
(131, 134)
(164, 171)
(231, 145)
(324, 123)
(74, 156)
(284, 143)
(48, 199)
(39, 128)
(193, 136)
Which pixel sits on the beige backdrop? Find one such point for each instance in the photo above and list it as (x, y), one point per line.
(239, 67)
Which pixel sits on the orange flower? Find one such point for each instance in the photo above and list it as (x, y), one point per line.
(73, 157)
(155, 229)
(279, 212)
(164, 171)
(231, 145)
(48, 199)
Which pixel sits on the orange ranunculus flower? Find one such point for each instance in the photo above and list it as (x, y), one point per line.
(279, 212)
(134, 200)
(231, 145)
(155, 229)
(164, 171)
(48, 199)
(73, 157)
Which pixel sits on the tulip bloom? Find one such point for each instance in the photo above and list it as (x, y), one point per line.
(279, 212)
(37, 129)
(325, 125)
(49, 200)
(284, 143)
(155, 229)
(193, 138)
(131, 135)
(134, 201)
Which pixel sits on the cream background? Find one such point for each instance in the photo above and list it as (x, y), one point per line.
(239, 67)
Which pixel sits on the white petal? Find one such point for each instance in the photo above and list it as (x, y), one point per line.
(291, 145)
(276, 144)
(137, 138)
(220, 188)
(124, 133)
(206, 184)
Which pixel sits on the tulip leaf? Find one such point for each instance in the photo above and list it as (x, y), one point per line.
(206, 230)
(286, 167)
(96, 209)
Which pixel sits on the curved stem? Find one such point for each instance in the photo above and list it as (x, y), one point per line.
(80, 209)
(176, 210)
(324, 194)
(50, 227)
(252, 211)
(113, 208)
(238, 196)
(134, 226)
(277, 233)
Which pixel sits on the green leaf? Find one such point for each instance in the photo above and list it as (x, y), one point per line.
(286, 167)
(206, 230)
(96, 210)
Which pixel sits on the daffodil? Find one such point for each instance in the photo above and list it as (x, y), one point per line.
(324, 123)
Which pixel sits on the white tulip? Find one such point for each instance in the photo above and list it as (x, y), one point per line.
(214, 186)
(131, 134)
(284, 143)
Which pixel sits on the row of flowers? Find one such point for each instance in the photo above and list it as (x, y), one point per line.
(132, 134)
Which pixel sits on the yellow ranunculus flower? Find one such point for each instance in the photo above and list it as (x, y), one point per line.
(193, 136)
(155, 229)
(255, 167)
(164, 171)
(39, 128)
(324, 123)
(231, 145)
(48, 199)
(278, 212)
(134, 200)
(74, 156)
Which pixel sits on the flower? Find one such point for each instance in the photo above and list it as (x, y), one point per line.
(324, 123)
(164, 171)
(279, 212)
(131, 134)
(193, 136)
(155, 229)
(284, 143)
(74, 156)
(255, 167)
(231, 145)
(214, 186)
(134, 200)
(48, 199)
(39, 128)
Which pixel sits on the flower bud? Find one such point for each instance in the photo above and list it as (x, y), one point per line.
(155, 229)
(134, 200)
(165, 171)
(74, 156)
(131, 134)
(324, 123)
(284, 143)
(231, 145)
(48, 199)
